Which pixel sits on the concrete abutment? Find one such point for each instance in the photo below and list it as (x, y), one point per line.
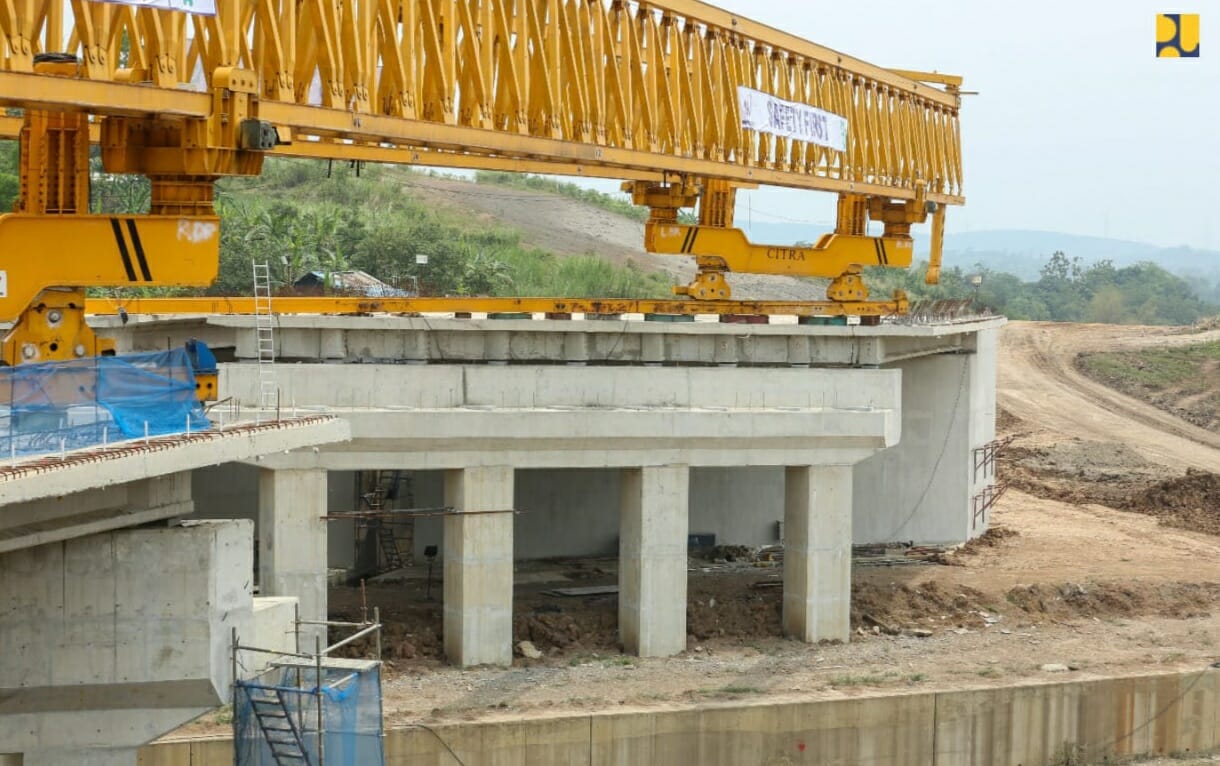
(111, 640)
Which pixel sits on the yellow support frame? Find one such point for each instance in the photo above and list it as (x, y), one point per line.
(645, 88)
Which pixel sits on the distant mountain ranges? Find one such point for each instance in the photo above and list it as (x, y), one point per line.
(1023, 252)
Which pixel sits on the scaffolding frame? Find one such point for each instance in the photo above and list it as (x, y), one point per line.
(298, 659)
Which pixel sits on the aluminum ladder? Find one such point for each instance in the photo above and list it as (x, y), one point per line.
(280, 733)
(264, 337)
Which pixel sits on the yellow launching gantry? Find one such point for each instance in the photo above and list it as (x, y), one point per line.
(648, 92)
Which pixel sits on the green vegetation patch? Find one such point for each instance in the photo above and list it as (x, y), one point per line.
(1188, 369)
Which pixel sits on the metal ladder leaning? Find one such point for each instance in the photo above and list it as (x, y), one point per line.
(264, 336)
(281, 734)
(390, 551)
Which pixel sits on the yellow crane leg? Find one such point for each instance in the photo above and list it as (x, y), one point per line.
(936, 246)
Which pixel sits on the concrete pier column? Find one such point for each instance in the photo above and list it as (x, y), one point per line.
(653, 532)
(478, 611)
(817, 552)
(292, 542)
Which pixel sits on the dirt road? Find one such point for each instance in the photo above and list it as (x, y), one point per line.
(1039, 384)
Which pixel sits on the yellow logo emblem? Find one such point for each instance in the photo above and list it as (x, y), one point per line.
(1177, 35)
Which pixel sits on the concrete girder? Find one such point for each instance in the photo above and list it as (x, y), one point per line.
(435, 340)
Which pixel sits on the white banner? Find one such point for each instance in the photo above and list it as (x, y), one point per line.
(789, 119)
(202, 7)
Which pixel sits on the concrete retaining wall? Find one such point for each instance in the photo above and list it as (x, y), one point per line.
(1035, 725)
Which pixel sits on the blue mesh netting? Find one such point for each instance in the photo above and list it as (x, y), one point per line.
(351, 717)
(85, 402)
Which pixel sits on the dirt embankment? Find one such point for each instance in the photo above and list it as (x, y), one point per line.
(1115, 475)
(1038, 384)
(1183, 380)
(1093, 411)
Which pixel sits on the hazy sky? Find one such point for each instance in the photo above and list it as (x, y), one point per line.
(1078, 126)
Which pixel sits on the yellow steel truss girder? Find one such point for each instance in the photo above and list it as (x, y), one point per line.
(336, 305)
(450, 159)
(10, 128)
(607, 82)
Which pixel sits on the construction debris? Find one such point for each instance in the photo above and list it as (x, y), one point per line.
(528, 650)
(596, 590)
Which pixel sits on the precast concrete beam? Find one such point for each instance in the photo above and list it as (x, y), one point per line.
(441, 340)
(292, 543)
(653, 525)
(541, 386)
(478, 566)
(817, 552)
(599, 438)
(126, 462)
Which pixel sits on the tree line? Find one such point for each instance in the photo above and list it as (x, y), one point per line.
(1065, 291)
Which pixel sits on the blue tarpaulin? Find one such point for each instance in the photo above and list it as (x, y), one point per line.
(83, 403)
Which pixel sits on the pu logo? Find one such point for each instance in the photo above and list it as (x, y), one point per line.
(1177, 35)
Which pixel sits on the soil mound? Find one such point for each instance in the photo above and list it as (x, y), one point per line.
(1187, 502)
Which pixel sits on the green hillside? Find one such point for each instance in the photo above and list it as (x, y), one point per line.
(302, 216)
